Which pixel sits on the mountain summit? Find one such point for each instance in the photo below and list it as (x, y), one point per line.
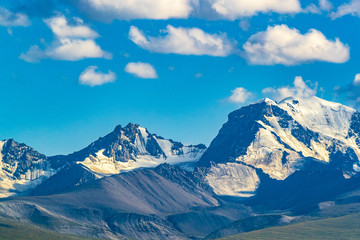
(22, 168)
(130, 147)
(279, 139)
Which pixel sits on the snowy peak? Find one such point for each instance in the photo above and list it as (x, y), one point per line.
(21, 167)
(329, 118)
(267, 101)
(130, 147)
(280, 138)
(17, 158)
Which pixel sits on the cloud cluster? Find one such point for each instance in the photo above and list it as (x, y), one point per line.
(91, 76)
(240, 95)
(324, 5)
(283, 45)
(11, 19)
(73, 41)
(300, 89)
(233, 9)
(136, 9)
(351, 8)
(141, 70)
(185, 41)
(108, 10)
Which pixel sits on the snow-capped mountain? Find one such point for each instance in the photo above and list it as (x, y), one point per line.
(21, 168)
(128, 148)
(298, 158)
(281, 138)
(124, 149)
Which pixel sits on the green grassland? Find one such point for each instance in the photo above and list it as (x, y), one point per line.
(12, 230)
(340, 228)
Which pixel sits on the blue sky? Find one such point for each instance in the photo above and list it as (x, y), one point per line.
(73, 70)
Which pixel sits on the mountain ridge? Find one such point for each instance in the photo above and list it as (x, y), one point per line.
(271, 163)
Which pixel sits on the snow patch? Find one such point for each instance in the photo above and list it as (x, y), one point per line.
(34, 176)
(104, 166)
(329, 118)
(233, 179)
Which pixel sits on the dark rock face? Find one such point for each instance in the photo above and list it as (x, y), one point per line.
(65, 180)
(302, 191)
(239, 131)
(17, 159)
(355, 127)
(236, 135)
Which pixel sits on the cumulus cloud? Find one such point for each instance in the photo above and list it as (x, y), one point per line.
(141, 70)
(91, 76)
(61, 27)
(108, 10)
(185, 41)
(283, 45)
(357, 79)
(350, 8)
(300, 89)
(233, 9)
(11, 19)
(73, 41)
(240, 95)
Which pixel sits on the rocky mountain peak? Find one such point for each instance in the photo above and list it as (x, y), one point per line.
(281, 138)
(127, 148)
(21, 167)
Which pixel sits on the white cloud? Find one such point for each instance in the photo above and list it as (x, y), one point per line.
(325, 5)
(312, 8)
(351, 8)
(300, 89)
(283, 45)
(185, 41)
(141, 70)
(60, 26)
(357, 79)
(233, 9)
(76, 49)
(11, 19)
(72, 42)
(93, 77)
(137, 9)
(240, 95)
